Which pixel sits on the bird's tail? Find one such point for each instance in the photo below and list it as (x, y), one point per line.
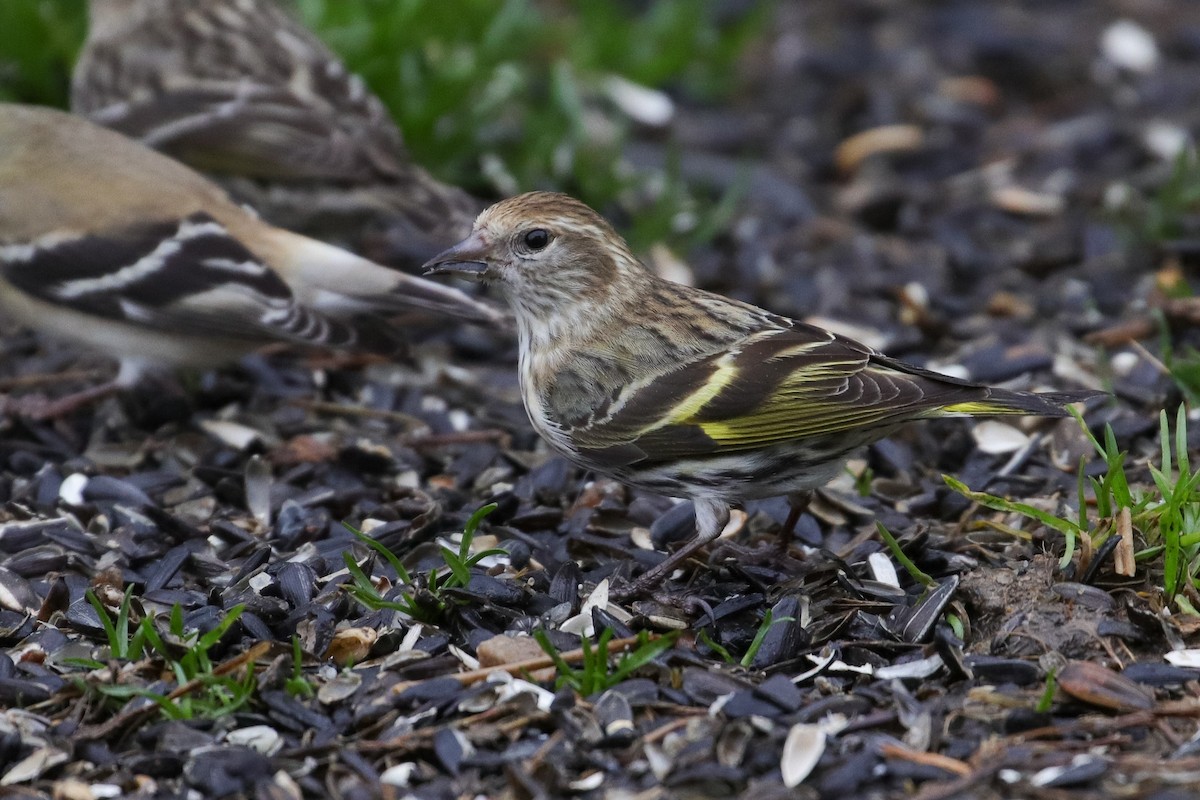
(1003, 401)
(409, 292)
(337, 281)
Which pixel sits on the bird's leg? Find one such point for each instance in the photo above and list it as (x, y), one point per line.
(799, 504)
(766, 553)
(711, 518)
(40, 407)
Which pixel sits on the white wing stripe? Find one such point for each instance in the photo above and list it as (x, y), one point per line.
(144, 266)
(238, 267)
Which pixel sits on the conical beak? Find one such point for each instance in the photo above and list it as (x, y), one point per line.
(467, 258)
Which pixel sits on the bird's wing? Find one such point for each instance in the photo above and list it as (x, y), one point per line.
(242, 127)
(238, 87)
(783, 384)
(186, 277)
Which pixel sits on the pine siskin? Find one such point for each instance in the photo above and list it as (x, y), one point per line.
(108, 243)
(682, 392)
(240, 89)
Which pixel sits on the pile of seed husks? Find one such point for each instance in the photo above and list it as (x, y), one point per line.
(965, 185)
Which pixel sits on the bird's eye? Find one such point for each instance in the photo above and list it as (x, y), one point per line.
(537, 239)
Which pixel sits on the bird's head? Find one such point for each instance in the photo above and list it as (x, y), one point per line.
(548, 253)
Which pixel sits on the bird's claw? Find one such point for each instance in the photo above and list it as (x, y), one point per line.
(766, 553)
(622, 590)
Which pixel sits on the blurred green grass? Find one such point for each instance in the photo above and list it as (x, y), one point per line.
(498, 96)
(38, 43)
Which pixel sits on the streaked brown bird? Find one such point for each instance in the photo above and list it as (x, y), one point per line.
(682, 392)
(241, 90)
(112, 245)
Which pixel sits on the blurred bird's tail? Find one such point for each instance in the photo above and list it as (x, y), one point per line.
(1005, 402)
(409, 292)
(337, 281)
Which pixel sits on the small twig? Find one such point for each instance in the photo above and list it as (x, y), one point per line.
(958, 788)
(1092, 725)
(936, 760)
(552, 741)
(1187, 707)
(1122, 333)
(662, 731)
(1153, 359)
(49, 378)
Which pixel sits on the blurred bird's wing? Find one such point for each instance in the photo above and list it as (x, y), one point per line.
(184, 277)
(780, 385)
(241, 87)
(241, 127)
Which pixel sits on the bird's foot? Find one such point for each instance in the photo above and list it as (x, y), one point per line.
(623, 591)
(765, 553)
(647, 583)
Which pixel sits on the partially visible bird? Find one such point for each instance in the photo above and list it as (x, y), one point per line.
(240, 89)
(682, 392)
(115, 246)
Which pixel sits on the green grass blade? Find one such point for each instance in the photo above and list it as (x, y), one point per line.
(1046, 702)
(208, 640)
(1103, 501)
(383, 550)
(151, 635)
(482, 554)
(1082, 495)
(713, 645)
(1164, 442)
(469, 530)
(1001, 504)
(1087, 432)
(1066, 527)
(116, 643)
(1181, 448)
(646, 651)
(460, 573)
(761, 634)
(175, 625)
(543, 640)
(909, 565)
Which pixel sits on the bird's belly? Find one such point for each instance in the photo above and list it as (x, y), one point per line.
(118, 340)
(736, 478)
